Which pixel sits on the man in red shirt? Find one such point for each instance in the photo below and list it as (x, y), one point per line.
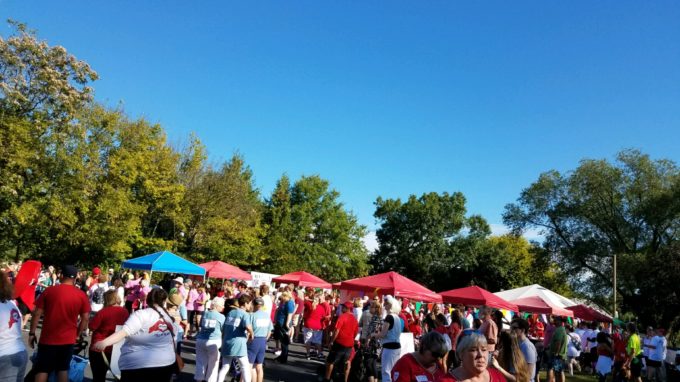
(62, 305)
(342, 341)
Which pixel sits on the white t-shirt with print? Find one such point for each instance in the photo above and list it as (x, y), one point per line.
(11, 341)
(149, 342)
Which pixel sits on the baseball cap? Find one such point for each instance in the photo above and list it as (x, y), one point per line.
(69, 271)
(348, 304)
(96, 271)
(258, 301)
(179, 280)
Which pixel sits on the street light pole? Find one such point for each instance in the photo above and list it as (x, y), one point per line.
(616, 314)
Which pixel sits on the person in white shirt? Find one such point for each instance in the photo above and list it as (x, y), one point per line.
(96, 294)
(656, 368)
(13, 354)
(148, 353)
(573, 350)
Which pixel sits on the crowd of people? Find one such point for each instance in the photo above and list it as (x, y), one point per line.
(359, 339)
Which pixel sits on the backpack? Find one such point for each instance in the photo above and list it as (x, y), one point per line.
(98, 295)
(577, 344)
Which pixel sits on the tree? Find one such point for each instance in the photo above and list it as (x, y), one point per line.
(41, 89)
(309, 229)
(419, 238)
(630, 209)
(223, 211)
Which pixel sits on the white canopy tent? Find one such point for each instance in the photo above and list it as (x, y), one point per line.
(536, 290)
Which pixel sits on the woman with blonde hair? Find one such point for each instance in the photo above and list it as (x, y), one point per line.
(103, 325)
(389, 335)
(282, 325)
(473, 353)
(510, 359)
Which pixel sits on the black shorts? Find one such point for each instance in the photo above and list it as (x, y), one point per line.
(653, 363)
(338, 354)
(53, 358)
(636, 367)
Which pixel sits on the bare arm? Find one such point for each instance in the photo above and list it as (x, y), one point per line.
(497, 366)
(110, 340)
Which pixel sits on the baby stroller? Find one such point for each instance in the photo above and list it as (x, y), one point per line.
(76, 371)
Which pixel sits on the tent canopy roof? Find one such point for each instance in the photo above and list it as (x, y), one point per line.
(536, 290)
(304, 279)
(222, 270)
(536, 304)
(587, 313)
(164, 261)
(391, 283)
(476, 296)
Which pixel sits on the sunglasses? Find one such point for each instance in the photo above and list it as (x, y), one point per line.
(466, 333)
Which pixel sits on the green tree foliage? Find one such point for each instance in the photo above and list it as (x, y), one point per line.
(630, 208)
(222, 211)
(309, 229)
(415, 236)
(430, 240)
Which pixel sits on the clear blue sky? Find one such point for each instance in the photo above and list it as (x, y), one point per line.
(388, 98)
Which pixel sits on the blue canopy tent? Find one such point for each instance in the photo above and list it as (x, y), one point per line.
(164, 262)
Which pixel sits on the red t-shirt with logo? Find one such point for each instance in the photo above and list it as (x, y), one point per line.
(494, 376)
(407, 369)
(62, 305)
(347, 327)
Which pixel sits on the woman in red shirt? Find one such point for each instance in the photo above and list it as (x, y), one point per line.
(474, 356)
(103, 325)
(424, 364)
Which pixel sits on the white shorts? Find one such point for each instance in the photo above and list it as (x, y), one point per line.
(296, 319)
(312, 336)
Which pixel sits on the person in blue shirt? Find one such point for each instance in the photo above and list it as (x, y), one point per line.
(236, 331)
(209, 341)
(262, 329)
(282, 326)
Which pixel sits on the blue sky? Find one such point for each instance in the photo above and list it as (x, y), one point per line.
(388, 98)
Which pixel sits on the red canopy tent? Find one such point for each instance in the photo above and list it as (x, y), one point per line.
(303, 279)
(222, 270)
(535, 304)
(587, 313)
(391, 283)
(476, 296)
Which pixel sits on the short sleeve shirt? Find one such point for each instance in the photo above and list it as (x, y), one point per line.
(633, 348)
(529, 351)
(407, 369)
(149, 342)
(211, 326)
(62, 305)
(235, 341)
(262, 323)
(347, 327)
(490, 331)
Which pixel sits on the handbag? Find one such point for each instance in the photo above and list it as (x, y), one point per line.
(179, 362)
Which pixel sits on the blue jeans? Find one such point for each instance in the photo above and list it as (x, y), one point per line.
(13, 366)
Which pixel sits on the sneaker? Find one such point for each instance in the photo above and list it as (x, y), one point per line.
(277, 353)
(321, 357)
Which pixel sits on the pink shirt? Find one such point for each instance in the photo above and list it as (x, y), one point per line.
(197, 303)
(193, 295)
